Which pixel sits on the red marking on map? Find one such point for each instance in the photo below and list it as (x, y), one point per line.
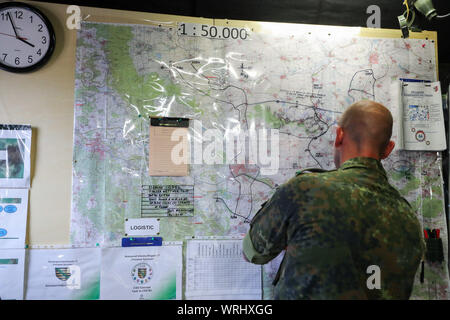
(373, 59)
(97, 147)
(236, 168)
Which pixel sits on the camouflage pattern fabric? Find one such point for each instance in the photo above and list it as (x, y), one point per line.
(333, 226)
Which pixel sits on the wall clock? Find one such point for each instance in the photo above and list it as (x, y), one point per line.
(27, 38)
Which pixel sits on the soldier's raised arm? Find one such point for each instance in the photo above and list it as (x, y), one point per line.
(267, 235)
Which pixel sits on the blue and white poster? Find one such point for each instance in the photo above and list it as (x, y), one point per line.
(12, 263)
(13, 218)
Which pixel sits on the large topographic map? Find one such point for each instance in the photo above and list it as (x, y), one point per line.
(288, 89)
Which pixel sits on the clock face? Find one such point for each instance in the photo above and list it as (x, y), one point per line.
(26, 37)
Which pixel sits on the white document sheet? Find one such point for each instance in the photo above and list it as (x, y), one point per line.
(141, 273)
(63, 274)
(13, 218)
(216, 270)
(12, 264)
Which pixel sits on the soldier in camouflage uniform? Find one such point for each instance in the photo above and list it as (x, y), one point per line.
(334, 225)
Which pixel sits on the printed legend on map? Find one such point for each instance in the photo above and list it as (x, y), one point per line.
(167, 200)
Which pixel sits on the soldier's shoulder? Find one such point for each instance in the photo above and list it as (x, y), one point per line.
(314, 174)
(312, 170)
(311, 177)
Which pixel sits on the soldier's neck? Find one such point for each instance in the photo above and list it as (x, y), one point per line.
(350, 154)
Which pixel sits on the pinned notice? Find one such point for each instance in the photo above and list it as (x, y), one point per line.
(169, 147)
(420, 108)
(141, 227)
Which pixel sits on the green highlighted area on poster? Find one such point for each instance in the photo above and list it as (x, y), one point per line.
(11, 159)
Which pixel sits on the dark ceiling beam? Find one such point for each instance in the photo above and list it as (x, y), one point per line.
(324, 12)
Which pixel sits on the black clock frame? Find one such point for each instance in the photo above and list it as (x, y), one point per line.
(51, 32)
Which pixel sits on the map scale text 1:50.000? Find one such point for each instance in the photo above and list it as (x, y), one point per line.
(212, 32)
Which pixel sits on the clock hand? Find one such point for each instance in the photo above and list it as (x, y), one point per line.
(14, 28)
(15, 31)
(23, 40)
(10, 35)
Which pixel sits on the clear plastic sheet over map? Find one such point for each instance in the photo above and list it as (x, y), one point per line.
(260, 109)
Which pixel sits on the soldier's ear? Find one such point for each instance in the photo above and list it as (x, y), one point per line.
(388, 150)
(339, 137)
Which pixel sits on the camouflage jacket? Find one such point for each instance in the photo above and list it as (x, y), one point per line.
(333, 225)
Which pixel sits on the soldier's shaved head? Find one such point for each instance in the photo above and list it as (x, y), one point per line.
(368, 123)
(365, 130)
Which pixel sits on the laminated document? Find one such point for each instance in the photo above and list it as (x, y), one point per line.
(13, 218)
(141, 273)
(15, 146)
(216, 270)
(12, 262)
(63, 274)
(421, 118)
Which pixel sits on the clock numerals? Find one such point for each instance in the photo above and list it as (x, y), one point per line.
(19, 15)
(17, 60)
(39, 52)
(16, 14)
(40, 26)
